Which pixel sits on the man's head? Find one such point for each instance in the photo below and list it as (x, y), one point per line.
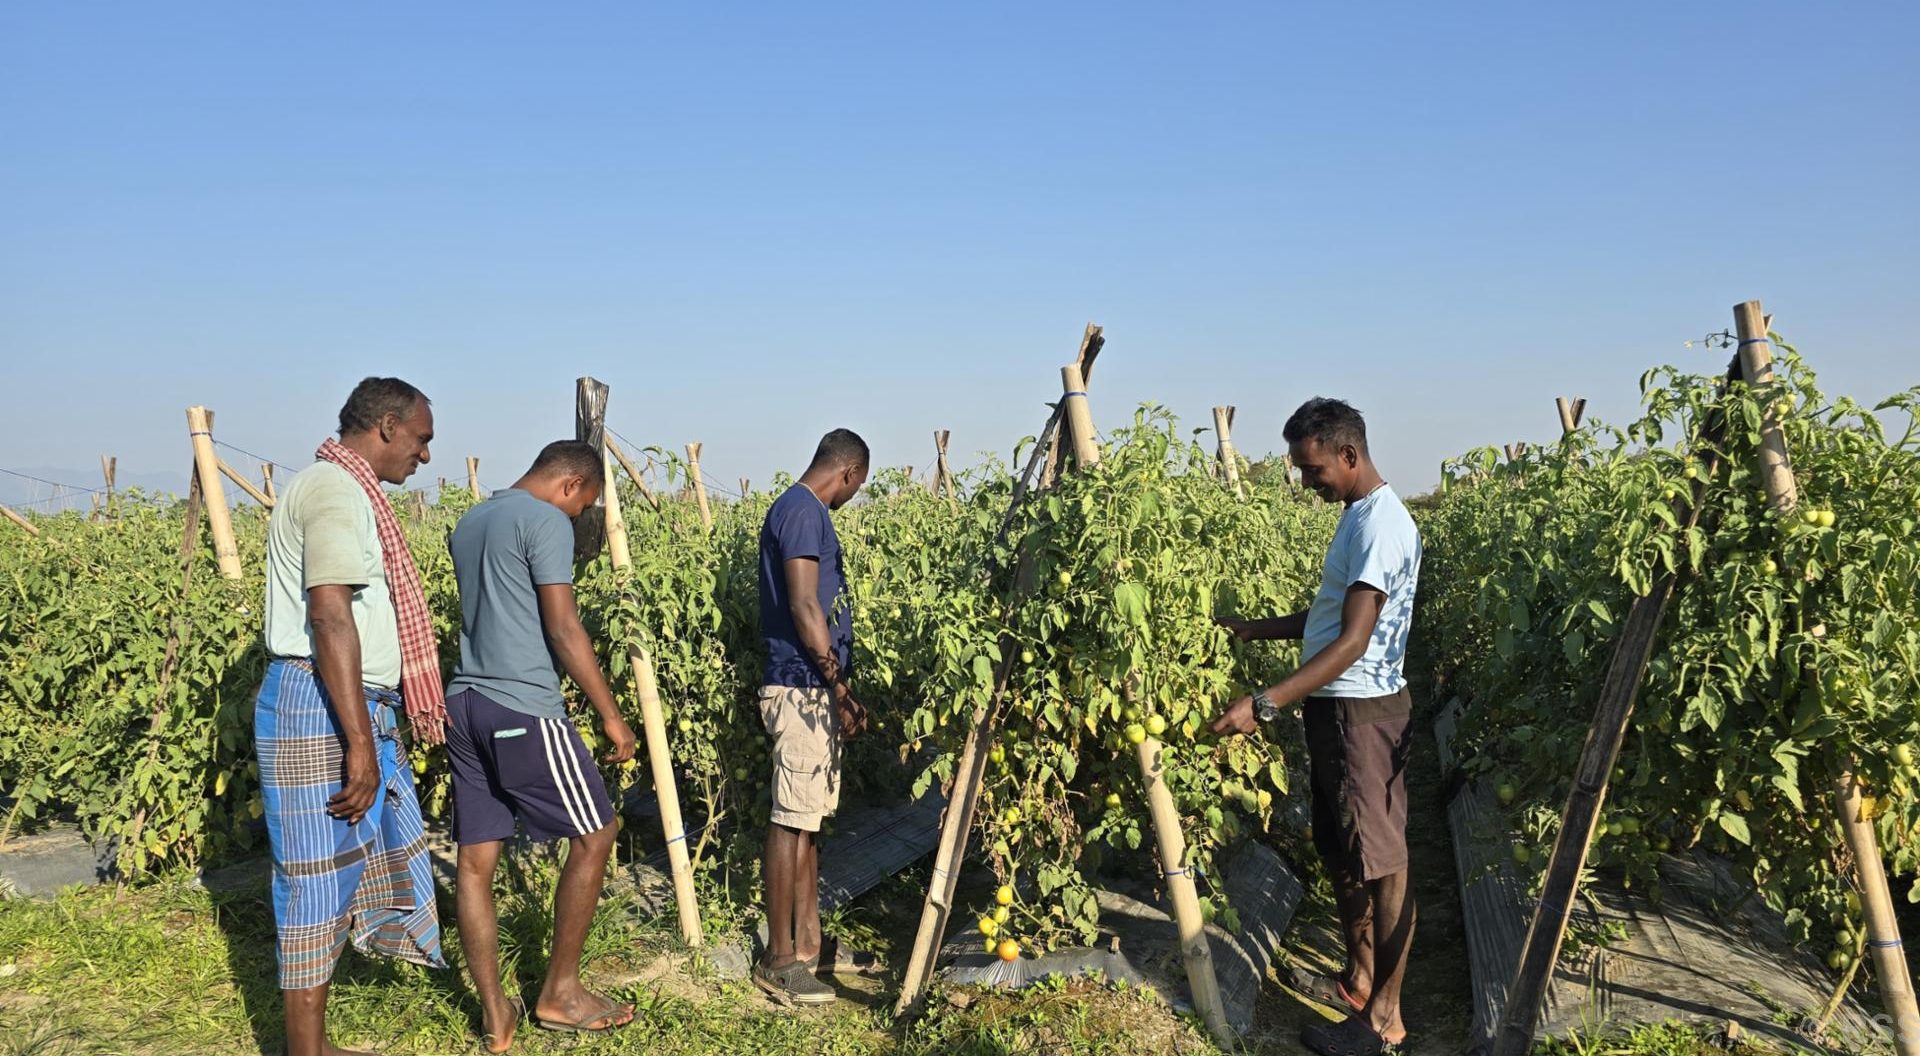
(839, 467)
(390, 423)
(1327, 440)
(568, 473)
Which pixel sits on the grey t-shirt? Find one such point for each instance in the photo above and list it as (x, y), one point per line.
(502, 549)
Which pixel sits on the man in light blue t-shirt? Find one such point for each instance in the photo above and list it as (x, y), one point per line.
(1358, 718)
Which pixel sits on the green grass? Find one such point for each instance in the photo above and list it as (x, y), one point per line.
(171, 968)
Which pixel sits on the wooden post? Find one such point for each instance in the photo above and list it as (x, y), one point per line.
(1092, 340)
(244, 484)
(19, 520)
(1229, 458)
(632, 473)
(1581, 815)
(266, 481)
(1883, 928)
(1570, 413)
(206, 467)
(473, 478)
(110, 469)
(942, 474)
(589, 426)
(654, 727)
(699, 484)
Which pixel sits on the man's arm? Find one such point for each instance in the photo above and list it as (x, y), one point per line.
(560, 620)
(1289, 628)
(810, 623)
(1359, 613)
(336, 659)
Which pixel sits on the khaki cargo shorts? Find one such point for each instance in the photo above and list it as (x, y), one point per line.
(806, 754)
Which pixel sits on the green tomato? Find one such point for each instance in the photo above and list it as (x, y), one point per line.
(1810, 517)
(1156, 725)
(1026, 656)
(1904, 753)
(1521, 855)
(1113, 801)
(1135, 733)
(1827, 519)
(1506, 793)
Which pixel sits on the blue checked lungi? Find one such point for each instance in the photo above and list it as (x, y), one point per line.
(370, 881)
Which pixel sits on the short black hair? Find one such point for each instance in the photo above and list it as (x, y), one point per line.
(842, 447)
(1328, 422)
(570, 458)
(374, 399)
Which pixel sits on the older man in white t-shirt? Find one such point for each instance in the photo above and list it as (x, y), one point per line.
(1358, 718)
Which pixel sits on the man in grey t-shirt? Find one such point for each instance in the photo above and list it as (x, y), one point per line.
(515, 755)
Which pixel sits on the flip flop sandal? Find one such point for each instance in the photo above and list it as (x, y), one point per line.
(519, 1006)
(614, 1008)
(839, 960)
(1326, 989)
(1349, 1037)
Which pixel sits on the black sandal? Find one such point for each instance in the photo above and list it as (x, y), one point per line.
(837, 960)
(1349, 1037)
(1326, 989)
(606, 1017)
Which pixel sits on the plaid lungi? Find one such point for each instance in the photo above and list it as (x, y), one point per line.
(370, 881)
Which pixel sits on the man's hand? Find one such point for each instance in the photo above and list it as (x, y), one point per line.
(1238, 718)
(615, 729)
(1240, 629)
(852, 714)
(355, 797)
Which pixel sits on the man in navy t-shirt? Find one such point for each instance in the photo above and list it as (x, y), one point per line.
(808, 708)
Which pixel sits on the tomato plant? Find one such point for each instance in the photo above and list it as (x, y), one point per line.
(1791, 646)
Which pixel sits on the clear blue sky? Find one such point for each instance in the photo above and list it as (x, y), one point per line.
(758, 222)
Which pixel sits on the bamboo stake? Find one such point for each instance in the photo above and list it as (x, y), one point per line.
(109, 469)
(1194, 948)
(207, 469)
(19, 520)
(1229, 458)
(1570, 412)
(473, 478)
(746, 487)
(244, 484)
(1883, 928)
(654, 729)
(632, 473)
(589, 427)
(616, 521)
(1092, 340)
(266, 481)
(699, 485)
(1201, 978)
(942, 476)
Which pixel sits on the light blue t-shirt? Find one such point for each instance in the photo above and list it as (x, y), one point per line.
(1376, 544)
(503, 550)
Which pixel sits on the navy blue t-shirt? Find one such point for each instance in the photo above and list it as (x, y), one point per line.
(798, 526)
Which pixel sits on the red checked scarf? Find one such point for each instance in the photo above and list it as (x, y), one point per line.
(420, 688)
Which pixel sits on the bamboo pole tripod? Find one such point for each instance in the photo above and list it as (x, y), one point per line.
(1075, 419)
(473, 478)
(1571, 411)
(699, 485)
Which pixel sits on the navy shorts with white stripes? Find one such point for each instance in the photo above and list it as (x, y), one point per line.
(508, 765)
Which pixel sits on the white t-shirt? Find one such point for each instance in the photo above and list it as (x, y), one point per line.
(322, 533)
(1376, 544)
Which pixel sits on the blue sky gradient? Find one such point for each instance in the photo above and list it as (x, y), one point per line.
(759, 222)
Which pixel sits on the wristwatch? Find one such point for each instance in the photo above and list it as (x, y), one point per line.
(1263, 707)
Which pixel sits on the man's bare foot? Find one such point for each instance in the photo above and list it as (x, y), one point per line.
(500, 1024)
(330, 1049)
